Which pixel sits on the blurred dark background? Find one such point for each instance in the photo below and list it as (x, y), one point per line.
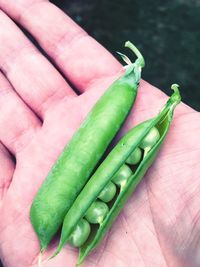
(167, 32)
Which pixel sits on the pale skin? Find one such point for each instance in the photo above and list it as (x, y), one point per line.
(39, 112)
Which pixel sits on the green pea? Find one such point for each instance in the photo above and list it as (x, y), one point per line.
(80, 233)
(96, 212)
(121, 177)
(135, 157)
(108, 193)
(151, 138)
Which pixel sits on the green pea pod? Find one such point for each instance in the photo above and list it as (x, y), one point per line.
(109, 167)
(81, 155)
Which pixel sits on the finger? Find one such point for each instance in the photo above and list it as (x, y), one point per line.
(6, 171)
(18, 124)
(81, 58)
(38, 83)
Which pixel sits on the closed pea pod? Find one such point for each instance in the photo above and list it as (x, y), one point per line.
(81, 155)
(108, 169)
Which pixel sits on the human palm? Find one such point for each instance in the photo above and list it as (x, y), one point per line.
(39, 112)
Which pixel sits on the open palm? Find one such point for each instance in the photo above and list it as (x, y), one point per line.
(39, 112)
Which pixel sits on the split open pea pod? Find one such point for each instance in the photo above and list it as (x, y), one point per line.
(139, 136)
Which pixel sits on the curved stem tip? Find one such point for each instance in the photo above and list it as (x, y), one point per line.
(134, 49)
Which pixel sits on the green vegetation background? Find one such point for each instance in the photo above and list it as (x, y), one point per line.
(167, 32)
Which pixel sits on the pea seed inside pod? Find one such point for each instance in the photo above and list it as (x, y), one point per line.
(135, 157)
(108, 193)
(121, 177)
(80, 233)
(151, 138)
(96, 212)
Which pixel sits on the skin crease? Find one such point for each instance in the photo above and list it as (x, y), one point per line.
(39, 112)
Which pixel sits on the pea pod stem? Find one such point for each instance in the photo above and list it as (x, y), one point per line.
(173, 101)
(137, 65)
(133, 48)
(137, 53)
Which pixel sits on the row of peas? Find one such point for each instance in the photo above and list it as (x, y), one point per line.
(99, 209)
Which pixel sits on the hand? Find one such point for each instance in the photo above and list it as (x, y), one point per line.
(39, 112)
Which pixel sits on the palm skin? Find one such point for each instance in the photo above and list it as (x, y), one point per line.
(158, 227)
